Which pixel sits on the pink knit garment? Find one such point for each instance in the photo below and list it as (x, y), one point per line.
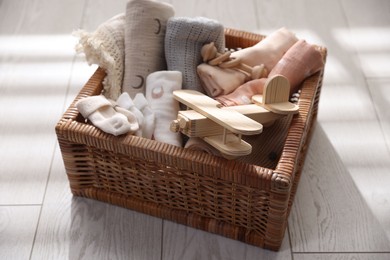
(217, 81)
(299, 62)
(243, 94)
(268, 51)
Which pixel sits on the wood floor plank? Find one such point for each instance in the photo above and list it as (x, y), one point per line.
(378, 192)
(31, 102)
(26, 17)
(232, 14)
(181, 242)
(81, 73)
(306, 20)
(303, 17)
(347, 113)
(359, 137)
(17, 230)
(348, 256)
(369, 34)
(361, 13)
(99, 11)
(79, 228)
(329, 213)
(379, 89)
(35, 58)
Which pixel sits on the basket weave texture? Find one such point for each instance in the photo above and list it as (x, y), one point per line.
(235, 199)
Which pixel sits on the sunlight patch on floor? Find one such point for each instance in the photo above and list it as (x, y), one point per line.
(42, 46)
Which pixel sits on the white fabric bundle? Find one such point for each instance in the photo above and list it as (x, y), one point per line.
(148, 122)
(159, 93)
(144, 42)
(127, 103)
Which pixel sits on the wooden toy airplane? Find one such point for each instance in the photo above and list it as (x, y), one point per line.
(223, 127)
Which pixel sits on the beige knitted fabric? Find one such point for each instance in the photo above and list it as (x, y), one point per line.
(144, 42)
(105, 47)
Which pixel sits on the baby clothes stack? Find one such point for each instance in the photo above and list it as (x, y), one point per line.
(148, 53)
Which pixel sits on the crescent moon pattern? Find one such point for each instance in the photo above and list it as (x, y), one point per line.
(158, 26)
(157, 92)
(142, 80)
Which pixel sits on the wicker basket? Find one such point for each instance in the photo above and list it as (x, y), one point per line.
(236, 199)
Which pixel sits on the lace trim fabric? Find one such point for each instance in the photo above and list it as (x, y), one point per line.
(105, 47)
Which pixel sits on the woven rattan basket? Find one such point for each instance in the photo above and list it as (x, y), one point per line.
(240, 200)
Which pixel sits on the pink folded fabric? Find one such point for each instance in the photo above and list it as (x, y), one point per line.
(300, 61)
(243, 94)
(217, 81)
(268, 51)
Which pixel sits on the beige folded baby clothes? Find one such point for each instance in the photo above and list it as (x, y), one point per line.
(105, 47)
(299, 62)
(222, 81)
(217, 81)
(268, 51)
(144, 42)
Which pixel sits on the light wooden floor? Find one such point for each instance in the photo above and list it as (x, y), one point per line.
(342, 207)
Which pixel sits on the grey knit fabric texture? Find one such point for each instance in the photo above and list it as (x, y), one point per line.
(184, 39)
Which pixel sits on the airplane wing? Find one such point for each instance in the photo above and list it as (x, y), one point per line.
(232, 120)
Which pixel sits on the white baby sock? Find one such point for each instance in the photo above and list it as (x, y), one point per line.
(102, 115)
(105, 47)
(183, 42)
(131, 118)
(159, 92)
(125, 101)
(144, 42)
(148, 122)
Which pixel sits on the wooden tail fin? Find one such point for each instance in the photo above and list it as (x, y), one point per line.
(275, 96)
